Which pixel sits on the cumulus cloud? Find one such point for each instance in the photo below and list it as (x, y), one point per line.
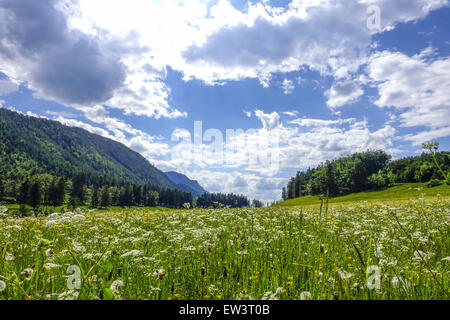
(39, 47)
(343, 93)
(269, 121)
(7, 87)
(240, 183)
(66, 65)
(328, 36)
(417, 87)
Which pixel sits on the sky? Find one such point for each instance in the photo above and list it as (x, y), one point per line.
(239, 95)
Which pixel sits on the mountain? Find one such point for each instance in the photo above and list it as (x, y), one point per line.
(29, 144)
(186, 184)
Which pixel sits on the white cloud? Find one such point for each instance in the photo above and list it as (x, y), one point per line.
(320, 123)
(248, 113)
(220, 43)
(427, 136)
(79, 124)
(417, 87)
(291, 113)
(144, 94)
(324, 35)
(343, 93)
(269, 121)
(7, 87)
(288, 86)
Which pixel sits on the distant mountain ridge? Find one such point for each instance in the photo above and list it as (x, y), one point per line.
(29, 144)
(186, 184)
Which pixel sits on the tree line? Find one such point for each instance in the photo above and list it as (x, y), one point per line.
(45, 189)
(216, 200)
(365, 171)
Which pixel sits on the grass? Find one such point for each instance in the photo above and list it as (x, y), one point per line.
(270, 253)
(405, 191)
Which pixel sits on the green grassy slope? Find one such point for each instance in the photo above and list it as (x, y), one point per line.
(403, 191)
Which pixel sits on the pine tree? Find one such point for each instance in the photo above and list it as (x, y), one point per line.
(60, 192)
(2, 190)
(94, 198)
(283, 194)
(35, 195)
(331, 187)
(105, 198)
(78, 195)
(24, 191)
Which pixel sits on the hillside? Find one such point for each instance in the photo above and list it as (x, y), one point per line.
(402, 191)
(29, 144)
(186, 184)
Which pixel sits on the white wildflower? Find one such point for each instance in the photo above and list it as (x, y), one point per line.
(78, 218)
(53, 216)
(116, 286)
(49, 253)
(2, 285)
(397, 281)
(9, 257)
(419, 255)
(50, 224)
(133, 253)
(344, 274)
(160, 273)
(305, 295)
(27, 273)
(50, 266)
(69, 295)
(272, 296)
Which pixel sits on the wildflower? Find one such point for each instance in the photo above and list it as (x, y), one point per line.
(50, 266)
(272, 296)
(419, 255)
(446, 259)
(49, 253)
(9, 257)
(305, 295)
(116, 286)
(50, 224)
(344, 274)
(2, 285)
(27, 273)
(133, 253)
(396, 281)
(160, 273)
(69, 295)
(78, 218)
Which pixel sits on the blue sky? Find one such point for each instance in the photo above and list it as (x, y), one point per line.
(311, 75)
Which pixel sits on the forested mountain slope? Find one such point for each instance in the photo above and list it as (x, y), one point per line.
(29, 144)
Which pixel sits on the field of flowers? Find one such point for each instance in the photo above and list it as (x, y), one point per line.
(395, 250)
